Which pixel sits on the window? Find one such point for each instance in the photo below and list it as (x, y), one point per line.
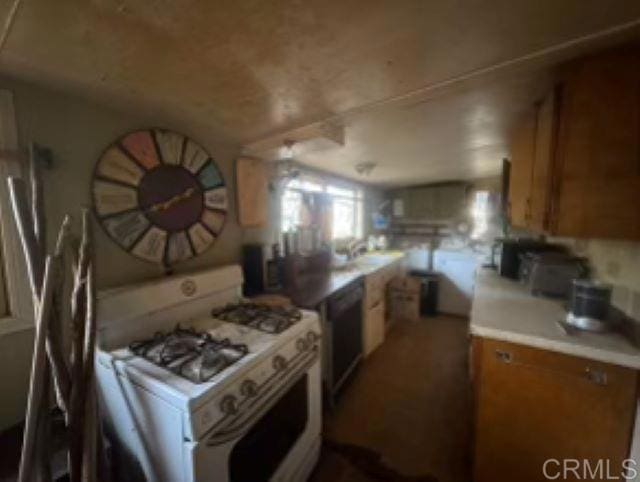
(291, 204)
(16, 304)
(347, 212)
(481, 214)
(347, 206)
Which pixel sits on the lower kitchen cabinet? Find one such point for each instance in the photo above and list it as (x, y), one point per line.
(374, 327)
(375, 309)
(534, 405)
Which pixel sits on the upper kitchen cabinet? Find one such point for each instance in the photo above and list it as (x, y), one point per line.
(522, 156)
(598, 152)
(252, 182)
(440, 202)
(531, 164)
(576, 158)
(541, 170)
(422, 203)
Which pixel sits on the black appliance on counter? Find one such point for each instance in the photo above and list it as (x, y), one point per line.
(550, 273)
(428, 291)
(263, 268)
(343, 345)
(512, 249)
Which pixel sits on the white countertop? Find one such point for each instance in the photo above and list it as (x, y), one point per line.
(372, 261)
(503, 310)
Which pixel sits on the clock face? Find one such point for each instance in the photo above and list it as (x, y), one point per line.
(160, 196)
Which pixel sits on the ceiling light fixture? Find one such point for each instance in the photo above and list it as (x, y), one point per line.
(288, 149)
(365, 168)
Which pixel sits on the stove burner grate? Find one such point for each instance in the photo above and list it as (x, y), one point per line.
(270, 319)
(193, 355)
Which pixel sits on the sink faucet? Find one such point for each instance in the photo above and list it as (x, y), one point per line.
(356, 248)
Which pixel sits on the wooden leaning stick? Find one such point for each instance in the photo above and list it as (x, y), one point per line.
(73, 383)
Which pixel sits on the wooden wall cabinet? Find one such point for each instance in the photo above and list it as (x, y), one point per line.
(542, 169)
(598, 151)
(522, 157)
(433, 203)
(531, 167)
(576, 160)
(252, 186)
(533, 405)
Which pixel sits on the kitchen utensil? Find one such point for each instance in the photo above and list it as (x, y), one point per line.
(590, 305)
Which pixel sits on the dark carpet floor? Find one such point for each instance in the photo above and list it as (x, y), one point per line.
(409, 403)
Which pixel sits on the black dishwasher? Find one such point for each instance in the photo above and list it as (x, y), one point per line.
(344, 318)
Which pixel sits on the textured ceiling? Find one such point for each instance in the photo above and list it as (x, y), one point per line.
(249, 69)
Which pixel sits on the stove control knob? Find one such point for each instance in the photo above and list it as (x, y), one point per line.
(312, 337)
(229, 405)
(302, 345)
(249, 388)
(279, 363)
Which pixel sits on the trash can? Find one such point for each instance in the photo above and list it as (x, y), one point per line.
(428, 291)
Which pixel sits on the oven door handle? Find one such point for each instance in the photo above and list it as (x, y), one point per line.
(244, 422)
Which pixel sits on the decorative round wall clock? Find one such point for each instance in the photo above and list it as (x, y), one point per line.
(160, 196)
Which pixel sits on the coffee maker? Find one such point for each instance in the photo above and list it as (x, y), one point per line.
(262, 266)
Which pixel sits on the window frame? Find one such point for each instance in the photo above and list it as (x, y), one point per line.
(20, 310)
(358, 198)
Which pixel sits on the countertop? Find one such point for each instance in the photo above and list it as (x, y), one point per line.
(503, 310)
(312, 289)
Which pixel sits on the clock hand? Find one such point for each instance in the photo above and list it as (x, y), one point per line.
(164, 205)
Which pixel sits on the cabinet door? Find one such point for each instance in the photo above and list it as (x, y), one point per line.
(544, 151)
(449, 202)
(400, 200)
(599, 148)
(374, 327)
(522, 154)
(374, 288)
(251, 175)
(422, 203)
(535, 405)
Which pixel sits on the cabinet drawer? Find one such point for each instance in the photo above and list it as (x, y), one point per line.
(510, 356)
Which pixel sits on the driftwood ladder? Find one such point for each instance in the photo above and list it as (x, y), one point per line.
(67, 373)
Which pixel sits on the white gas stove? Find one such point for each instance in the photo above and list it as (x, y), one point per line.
(196, 398)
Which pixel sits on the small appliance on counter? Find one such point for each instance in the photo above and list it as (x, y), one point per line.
(262, 265)
(513, 248)
(589, 306)
(551, 273)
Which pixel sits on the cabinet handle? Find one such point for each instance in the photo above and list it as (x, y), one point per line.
(598, 377)
(504, 356)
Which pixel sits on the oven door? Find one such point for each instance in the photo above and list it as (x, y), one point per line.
(280, 443)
